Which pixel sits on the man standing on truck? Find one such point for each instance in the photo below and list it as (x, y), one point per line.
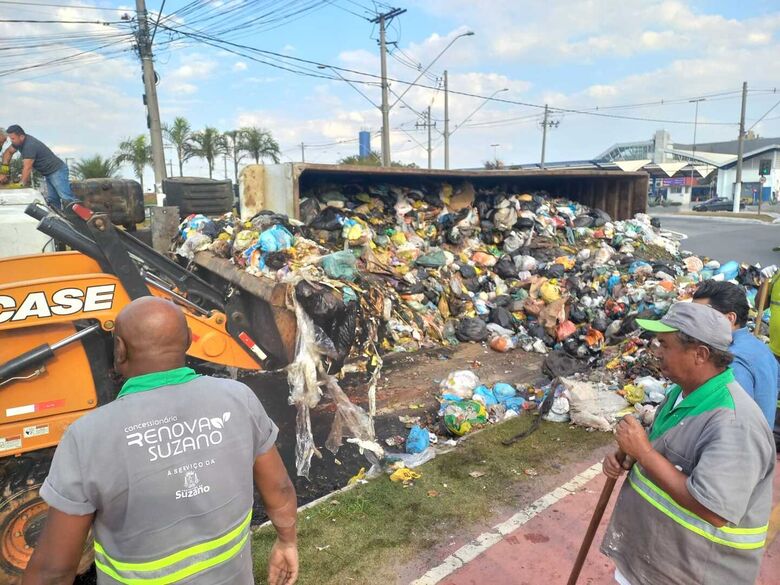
(37, 156)
(164, 474)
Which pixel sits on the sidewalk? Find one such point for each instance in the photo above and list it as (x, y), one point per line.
(541, 551)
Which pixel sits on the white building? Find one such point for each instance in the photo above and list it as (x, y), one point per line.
(751, 186)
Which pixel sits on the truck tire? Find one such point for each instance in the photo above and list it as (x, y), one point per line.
(23, 512)
(191, 195)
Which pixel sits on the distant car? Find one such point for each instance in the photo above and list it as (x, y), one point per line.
(716, 204)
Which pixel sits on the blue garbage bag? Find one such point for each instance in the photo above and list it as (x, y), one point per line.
(515, 403)
(418, 440)
(503, 391)
(636, 266)
(729, 270)
(487, 394)
(275, 238)
(340, 265)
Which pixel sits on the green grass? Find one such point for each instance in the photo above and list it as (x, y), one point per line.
(731, 214)
(369, 530)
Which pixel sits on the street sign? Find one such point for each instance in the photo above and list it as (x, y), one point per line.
(762, 179)
(764, 166)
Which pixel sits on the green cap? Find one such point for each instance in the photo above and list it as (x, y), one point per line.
(655, 326)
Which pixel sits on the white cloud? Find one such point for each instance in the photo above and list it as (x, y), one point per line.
(239, 66)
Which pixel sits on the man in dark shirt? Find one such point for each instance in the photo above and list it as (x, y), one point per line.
(37, 156)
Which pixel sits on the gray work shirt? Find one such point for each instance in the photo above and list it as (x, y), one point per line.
(719, 438)
(166, 472)
(44, 160)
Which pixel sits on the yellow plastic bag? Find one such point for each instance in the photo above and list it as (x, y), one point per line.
(404, 475)
(360, 475)
(633, 393)
(398, 238)
(550, 292)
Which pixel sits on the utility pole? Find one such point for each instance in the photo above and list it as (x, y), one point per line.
(224, 162)
(303, 152)
(740, 152)
(547, 123)
(446, 122)
(428, 124)
(382, 21)
(544, 135)
(150, 98)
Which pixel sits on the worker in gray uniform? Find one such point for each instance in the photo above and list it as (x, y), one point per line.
(164, 474)
(696, 504)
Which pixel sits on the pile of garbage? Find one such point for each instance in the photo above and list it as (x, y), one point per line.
(382, 268)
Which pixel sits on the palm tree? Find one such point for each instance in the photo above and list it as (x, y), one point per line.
(95, 167)
(208, 144)
(179, 135)
(137, 153)
(234, 149)
(260, 144)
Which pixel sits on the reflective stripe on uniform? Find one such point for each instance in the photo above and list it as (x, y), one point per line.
(740, 538)
(179, 565)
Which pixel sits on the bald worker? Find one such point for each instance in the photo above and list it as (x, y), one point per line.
(163, 475)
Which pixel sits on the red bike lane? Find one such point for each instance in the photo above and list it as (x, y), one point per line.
(542, 550)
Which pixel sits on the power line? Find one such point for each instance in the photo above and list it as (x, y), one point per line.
(201, 36)
(76, 7)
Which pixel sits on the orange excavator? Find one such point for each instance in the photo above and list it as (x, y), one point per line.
(57, 312)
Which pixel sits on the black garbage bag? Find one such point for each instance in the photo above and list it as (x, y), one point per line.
(505, 267)
(535, 329)
(575, 348)
(405, 288)
(454, 236)
(524, 223)
(471, 329)
(319, 302)
(472, 284)
(600, 323)
(600, 217)
(558, 363)
(467, 271)
(555, 271)
(329, 219)
(502, 301)
(655, 222)
(577, 315)
(583, 221)
(309, 207)
(501, 316)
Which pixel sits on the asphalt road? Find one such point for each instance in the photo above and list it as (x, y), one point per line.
(726, 240)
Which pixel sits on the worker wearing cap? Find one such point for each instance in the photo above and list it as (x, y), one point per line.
(697, 500)
(37, 156)
(755, 367)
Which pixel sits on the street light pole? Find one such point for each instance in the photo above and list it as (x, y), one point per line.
(695, 124)
(446, 122)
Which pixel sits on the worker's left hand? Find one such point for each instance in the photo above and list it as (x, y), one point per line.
(283, 564)
(632, 438)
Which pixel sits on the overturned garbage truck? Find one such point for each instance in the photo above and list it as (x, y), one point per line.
(378, 260)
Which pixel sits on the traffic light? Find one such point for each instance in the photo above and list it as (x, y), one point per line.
(765, 167)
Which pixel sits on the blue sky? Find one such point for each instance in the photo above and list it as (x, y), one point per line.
(573, 55)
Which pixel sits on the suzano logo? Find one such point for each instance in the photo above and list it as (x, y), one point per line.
(192, 487)
(163, 439)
